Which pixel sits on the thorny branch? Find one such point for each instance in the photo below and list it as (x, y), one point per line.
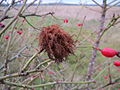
(100, 33)
(96, 43)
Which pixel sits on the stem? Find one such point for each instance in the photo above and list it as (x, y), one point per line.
(29, 61)
(96, 43)
(102, 71)
(24, 73)
(42, 63)
(46, 84)
(7, 51)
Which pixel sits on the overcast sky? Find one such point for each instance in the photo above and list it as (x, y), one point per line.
(69, 1)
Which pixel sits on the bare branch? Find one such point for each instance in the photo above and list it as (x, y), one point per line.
(115, 4)
(43, 85)
(24, 73)
(1, 2)
(96, 3)
(38, 5)
(7, 9)
(96, 44)
(50, 13)
(111, 2)
(29, 5)
(4, 29)
(111, 83)
(111, 23)
(28, 15)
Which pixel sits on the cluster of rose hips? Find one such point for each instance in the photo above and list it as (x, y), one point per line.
(17, 31)
(66, 21)
(109, 52)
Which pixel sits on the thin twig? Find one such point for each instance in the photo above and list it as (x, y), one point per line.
(96, 3)
(30, 60)
(14, 57)
(25, 73)
(7, 9)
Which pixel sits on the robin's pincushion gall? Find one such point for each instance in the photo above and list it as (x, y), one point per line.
(56, 42)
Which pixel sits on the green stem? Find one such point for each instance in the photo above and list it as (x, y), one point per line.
(24, 73)
(99, 74)
(29, 61)
(18, 74)
(42, 63)
(7, 50)
(46, 84)
(111, 23)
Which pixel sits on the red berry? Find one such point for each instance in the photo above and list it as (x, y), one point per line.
(50, 72)
(116, 63)
(79, 24)
(99, 69)
(19, 32)
(6, 36)
(2, 25)
(105, 77)
(66, 20)
(108, 52)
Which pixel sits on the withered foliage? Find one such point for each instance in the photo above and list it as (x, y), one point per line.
(56, 42)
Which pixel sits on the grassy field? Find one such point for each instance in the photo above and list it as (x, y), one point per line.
(75, 67)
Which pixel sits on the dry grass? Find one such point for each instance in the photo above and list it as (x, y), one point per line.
(72, 11)
(91, 12)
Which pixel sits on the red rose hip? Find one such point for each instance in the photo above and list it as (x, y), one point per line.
(6, 36)
(79, 24)
(66, 20)
(108, 52)
(19, 32)
(2, 25)
(116, 63)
